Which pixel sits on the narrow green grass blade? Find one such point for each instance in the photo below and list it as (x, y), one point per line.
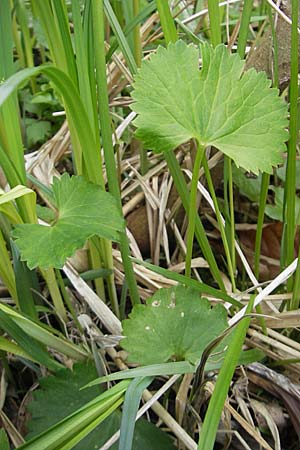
(216, 404)
(123, 44)
(45, 335)
(26, 283)
(166, 20)
(51, 16)
(61, 20)
(174, 368)
(244, 27)
(10, 347)
(69, 443)
(10, 133)
(6, 271)
(82, 63)
(112, 176)
(215, 23)
(143, 14)
(202, 287)
(131, 405)
(81, 132)
(27, 343)
(290, 184)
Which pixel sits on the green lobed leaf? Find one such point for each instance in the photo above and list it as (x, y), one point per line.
(237, 113)
(175, 324)
(84, 210)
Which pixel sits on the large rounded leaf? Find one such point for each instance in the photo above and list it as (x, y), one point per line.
(237, 113)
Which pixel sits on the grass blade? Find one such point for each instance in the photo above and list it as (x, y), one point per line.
(166, 20)
(202, 287)
(27, 343)
(112, 176)
(174, 368)
(131, 405)
(216, 404)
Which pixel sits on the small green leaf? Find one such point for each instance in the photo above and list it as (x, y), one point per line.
(37, 131)
(176, 324)
(237, 113)
(281, 172)
(84, 210)
(248, 186)
(276, 211)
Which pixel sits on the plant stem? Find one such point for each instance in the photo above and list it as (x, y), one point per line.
(216, 404)
(112, 177)
(290, 187)
(232, 219)
(243, 33)
(260, 220)
(219, 219)
(192, 213)
(183, 192)
(215, 24)
(166, 20)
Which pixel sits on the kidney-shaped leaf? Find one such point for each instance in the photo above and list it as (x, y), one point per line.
(84, 210)
(176, 324)
(237, 113)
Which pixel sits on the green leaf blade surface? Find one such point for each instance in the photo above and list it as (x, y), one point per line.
(84, 210)
(239, 113)
(176, 324)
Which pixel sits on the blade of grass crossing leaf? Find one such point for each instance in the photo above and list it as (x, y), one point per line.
(131, 405)
(215, 23)
(27, 343)
(79, 436)
(175, 368)
(72, 430)
(113, 184)
(87, 90)
(166, 20)
(212, 417)
(77, 425)
(290, 186)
